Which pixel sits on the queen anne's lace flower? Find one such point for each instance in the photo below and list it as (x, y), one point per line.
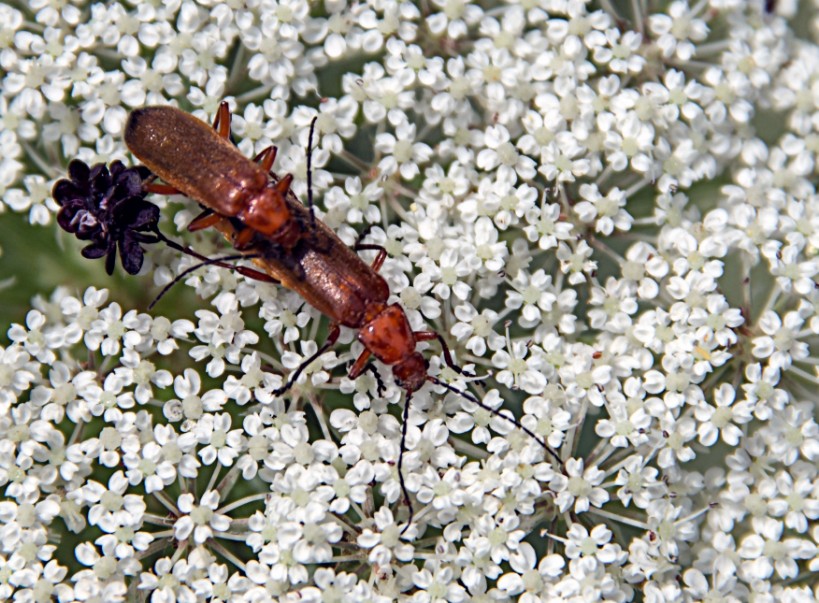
(611, 219)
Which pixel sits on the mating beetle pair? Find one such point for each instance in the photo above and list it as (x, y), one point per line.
(262, 218)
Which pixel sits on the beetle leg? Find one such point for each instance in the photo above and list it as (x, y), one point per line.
(332, 337)
(382, 251)
(429, 336)
(208, 218)
(362, 235)
(204, 220)
(222, 121)
(244, 238)
(360, 364)
(161, 189)
(379, 258)
(256, 275)
(266, 158)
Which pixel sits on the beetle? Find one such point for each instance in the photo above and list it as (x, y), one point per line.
(200, 162)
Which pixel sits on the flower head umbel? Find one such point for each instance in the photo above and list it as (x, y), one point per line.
(610, 218)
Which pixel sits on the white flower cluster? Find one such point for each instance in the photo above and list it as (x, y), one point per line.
(592, 207)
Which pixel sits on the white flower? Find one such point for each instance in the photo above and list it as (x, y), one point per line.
(718, 420)
(437, 583)
(384, 542)
(639, 482)
(779, 341)
(678, 32)
(721, 584)
(765, 551)
(447, 186)
(201, 520)
(476, 328)
(449, 272)
(487, 246)
(677, 434)
(532, 295)
(147, 465)
(402, 153)
(32, 338)
(583, 543)
(142, 373)
(575, 261)
(112, 508)
(520, 368)
(501, 153)
(454, 19)
(605, 211)
(220, 443)
(355, 201)
(529, 577)
(624, 429)
(792, 497)
(579, 488)
(791, 271)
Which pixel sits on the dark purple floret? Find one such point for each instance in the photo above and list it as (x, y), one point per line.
(108, 207)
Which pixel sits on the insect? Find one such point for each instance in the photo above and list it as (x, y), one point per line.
(200, 162)
(289, 246)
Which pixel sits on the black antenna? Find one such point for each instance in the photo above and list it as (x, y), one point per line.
(467, 396)
(404, 491)
(221, 262)
(310, 173)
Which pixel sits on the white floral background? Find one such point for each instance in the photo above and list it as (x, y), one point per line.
(608, 209)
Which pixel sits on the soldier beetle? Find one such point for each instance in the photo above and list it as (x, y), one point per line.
(200, 162)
